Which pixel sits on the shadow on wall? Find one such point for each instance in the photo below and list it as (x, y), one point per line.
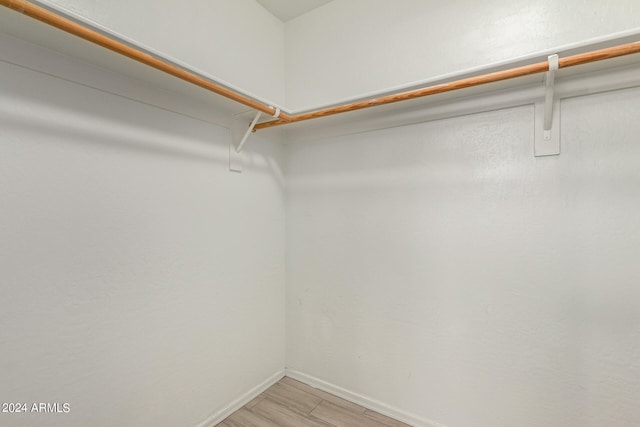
(73, 113)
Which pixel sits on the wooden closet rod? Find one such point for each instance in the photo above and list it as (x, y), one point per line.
(64, 24)
(540, 67)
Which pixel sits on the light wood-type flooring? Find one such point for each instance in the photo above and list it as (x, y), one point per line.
(290, 403)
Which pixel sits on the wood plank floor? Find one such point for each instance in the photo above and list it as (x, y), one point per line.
(290, 403)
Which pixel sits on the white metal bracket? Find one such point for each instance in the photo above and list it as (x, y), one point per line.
(239, 136)
(547, 115)
(248, 132)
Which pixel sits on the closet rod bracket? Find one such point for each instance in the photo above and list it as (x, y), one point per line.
(248, 132)
(550, 80)
(547, 132)
(240, 132)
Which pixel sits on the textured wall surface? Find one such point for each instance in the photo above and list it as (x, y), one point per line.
(352, 47)
(141, 282)
(438, 268)
(442, 269)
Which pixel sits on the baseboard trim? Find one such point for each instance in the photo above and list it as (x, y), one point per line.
(361, 400)
(238, 403)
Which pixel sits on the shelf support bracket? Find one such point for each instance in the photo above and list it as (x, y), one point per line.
(239, 136)
(248, 132)
(547, 115)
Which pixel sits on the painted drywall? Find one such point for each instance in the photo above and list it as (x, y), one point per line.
(238, 42)
(141, 282)
(348, 48)
(442, 269)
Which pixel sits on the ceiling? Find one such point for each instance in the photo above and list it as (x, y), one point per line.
(286, 10)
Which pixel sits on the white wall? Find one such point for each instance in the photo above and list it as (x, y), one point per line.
(141, 281)
(348, 48)
(238, 42)
(438, 267)
(443, 270)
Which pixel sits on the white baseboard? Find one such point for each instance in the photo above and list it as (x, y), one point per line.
(238, 403)
(361, 400)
